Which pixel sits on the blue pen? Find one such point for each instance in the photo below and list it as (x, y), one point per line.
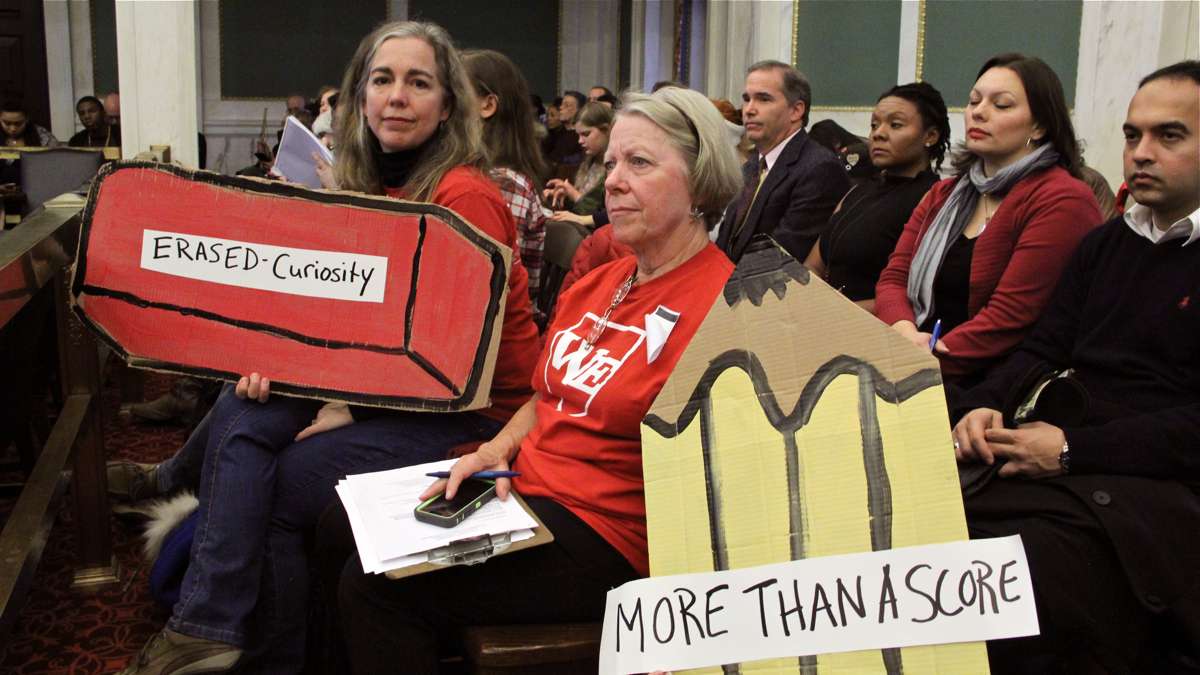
(937, 333)
(483, 475)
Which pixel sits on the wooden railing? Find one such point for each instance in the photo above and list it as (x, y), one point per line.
(35, 254)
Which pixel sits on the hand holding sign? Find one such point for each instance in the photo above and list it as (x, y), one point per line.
(253, 386)
(217, 276)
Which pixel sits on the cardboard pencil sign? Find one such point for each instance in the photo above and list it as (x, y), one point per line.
(968, 590)
(332, 295)
(795, 426)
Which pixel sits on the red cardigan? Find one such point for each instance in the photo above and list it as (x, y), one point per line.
(1014, 268)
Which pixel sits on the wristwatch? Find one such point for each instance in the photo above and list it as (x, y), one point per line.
(1064, 458)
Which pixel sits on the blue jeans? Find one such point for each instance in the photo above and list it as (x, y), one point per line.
(182, 470)
(261, 493)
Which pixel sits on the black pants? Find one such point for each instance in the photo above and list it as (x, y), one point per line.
(405, 624)
(1089, 616)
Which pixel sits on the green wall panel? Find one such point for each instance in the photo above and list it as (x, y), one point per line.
(961, 34)
(104, 46)
(272, 48)
(524, 30)
(848, 50)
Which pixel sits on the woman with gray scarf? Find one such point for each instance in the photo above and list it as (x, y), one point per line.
(983, 251)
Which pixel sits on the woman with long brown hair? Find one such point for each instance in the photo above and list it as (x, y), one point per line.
(512, 147)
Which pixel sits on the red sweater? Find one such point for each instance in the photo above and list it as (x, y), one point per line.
(471, 195)
(585, 451)
(1014, 268)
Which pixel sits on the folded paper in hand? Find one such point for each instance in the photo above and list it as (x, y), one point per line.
(389, 537)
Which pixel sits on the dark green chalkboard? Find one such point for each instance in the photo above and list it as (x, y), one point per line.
(104, 47)
(272, 48)
(524, 30)
(961, 34)
(848, 50)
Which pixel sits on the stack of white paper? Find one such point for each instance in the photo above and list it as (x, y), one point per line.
(294, 160)
(380, 507)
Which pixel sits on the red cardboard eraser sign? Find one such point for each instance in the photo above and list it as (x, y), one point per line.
(331, 295)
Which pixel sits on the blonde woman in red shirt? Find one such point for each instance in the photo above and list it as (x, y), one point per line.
(671, 170)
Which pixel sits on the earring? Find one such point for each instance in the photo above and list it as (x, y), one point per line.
(1029, 142)
(697, 214)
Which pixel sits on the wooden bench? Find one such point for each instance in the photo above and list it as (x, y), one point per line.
(36, 255)
(557, 648)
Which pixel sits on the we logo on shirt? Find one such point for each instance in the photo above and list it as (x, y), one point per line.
(576, 373)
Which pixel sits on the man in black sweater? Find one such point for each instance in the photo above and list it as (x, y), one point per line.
(1105, 489)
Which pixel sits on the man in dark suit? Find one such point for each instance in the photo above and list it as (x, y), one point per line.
(1102, 478)
(792, 183)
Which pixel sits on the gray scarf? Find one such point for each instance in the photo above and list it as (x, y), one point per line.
(952, 219)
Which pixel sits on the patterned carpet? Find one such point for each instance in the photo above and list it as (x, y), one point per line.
(64, 631)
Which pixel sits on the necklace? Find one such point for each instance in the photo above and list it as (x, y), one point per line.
(987, 210)
(618, 297)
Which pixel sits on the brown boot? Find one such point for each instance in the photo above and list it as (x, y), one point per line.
(170, 407)
(171, 653)
(132, 481)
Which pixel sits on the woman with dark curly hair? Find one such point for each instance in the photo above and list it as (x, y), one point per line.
(910, 133)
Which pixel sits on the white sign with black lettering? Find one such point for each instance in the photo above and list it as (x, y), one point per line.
(940, 593)
(318, 274)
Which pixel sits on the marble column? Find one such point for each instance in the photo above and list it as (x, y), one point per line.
(158, 65)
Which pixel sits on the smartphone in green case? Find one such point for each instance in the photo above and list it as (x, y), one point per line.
(471, 496)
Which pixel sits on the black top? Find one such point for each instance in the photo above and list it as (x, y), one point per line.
(862, 235)
(952, 286)
(1126, 317)
(110, 137)
(561, 146)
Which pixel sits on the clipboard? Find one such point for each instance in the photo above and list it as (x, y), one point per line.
(477, 550)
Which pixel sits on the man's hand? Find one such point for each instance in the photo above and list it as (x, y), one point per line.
(970, 443)
(1032, 450)
(331, 416)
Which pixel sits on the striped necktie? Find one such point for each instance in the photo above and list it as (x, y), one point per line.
(749, 194)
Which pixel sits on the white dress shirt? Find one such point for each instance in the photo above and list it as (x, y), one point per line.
(1141, 220)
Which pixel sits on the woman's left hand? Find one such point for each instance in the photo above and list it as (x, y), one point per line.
(329, 417)
(324, 172)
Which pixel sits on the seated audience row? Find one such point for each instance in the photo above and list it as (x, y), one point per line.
(578, 201)
(974, 259)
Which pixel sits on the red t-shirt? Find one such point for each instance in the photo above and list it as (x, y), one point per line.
(585, 451)
(473, 196)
